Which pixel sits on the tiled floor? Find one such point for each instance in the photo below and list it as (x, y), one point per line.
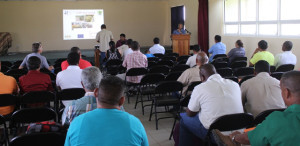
(158, 137)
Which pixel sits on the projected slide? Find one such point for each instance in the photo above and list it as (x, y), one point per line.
(82, 24)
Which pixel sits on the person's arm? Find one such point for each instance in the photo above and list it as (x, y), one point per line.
(241, 138)
(253, 60)
(230, 53)
(98, 37)
(58, 82)
(111, 36)
(276, 60)
(244, 90)
(190, 113)
(210, 50)
(194, 104)
(184, 78)
(125, 62)
(23, 63)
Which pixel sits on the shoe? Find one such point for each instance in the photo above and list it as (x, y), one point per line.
(222, 140)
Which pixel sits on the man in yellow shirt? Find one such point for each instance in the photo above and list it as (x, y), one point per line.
(8, 85)
(261, 53)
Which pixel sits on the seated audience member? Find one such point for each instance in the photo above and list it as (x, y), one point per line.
(261, 53)
(179, 30)
(125, 49)
(107, 125)
(192, 60)
(148, 54)
(215, 97)
(238, 51)
(135, 60)
(279, 128)
(218, 48)
(157, 48)
(286, 57)
(82, 63)
(112, 53)
(192, 74)
(261, 92)
(71, 77)
(8, 85)
(122, 40)
(37, 49)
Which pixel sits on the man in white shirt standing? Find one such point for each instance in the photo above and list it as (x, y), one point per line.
(71, 77)
(286, 57)
(261, 92)
(216, 97)
(157, 48)
(104, 37)
(192, 60)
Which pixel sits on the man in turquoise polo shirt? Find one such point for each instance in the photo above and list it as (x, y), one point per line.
(279, 128)
(261, 53)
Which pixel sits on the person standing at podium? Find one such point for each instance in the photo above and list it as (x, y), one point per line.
(179, 30)
(104, 37)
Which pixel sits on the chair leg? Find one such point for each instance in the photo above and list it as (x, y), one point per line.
(142, 102)
(136, 101)
(151, 111)
(173, 129)
(156, 121)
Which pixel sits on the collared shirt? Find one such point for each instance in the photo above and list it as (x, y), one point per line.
(218, 48)
(122, 49)
(263, 55)
(157, 49)
(8, 85)
(192, 60)
(177, 32)
(44, 63)
(107, 127)
(149, 55)
(261, 93)
(236, 52)
(69, 78)
(188, 76)
(216, 97)
(35, 81)
(286, 57)
(279, 128)
(135, 60)
(104, 37)
(120, 43)
(82, 64)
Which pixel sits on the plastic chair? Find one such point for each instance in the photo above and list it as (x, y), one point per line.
(160, 69)
(173, 54)
(172, 58)
(113, 66)
(155, 59)
(277, 75)
(169, 63)
(180, 67)
(244, 71)
(68, 94)
(262, 116)
(238, 64)
(285, 68)
(272, 68)
(239, 59)
(39, 139)
(220, 55)
(6, 63)
(235, 79)
(132, 73)
(4, 140)
(4, 68)
(37, 97)
(158, 55)
(173, 76)
(151, 64)
(225, 72)
(183, 58)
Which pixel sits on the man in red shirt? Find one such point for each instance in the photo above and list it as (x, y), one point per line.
(122, 40)
(82, 63)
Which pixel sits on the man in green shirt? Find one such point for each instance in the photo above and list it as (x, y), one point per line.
(279, 128)
(261, 53)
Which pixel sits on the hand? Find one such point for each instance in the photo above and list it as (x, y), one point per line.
(234, 134)
(51, 67)
(256, 50)
(179, 30)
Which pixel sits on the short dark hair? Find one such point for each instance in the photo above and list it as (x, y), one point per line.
(73, 58)
(75, 49)
(135, 45)
(156, 40)
(34, 63)
(263, 44)
(291, 81)
(112, 46)
(239, 43)
(36, 47)
(107, 85)
(207, 69)
(288, 45)
(262, 66)
(196, 48)
(129, 42)
(122, 35)
(218, 38)
(103, 26)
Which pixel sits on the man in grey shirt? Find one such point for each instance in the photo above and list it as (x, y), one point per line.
(238, 51)
(37, 49)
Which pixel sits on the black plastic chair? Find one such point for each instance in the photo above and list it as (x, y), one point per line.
(245, 78)
(220, 55)
(4, 68)
(239, 59)
(151, 64)
(17, 63)
(68, 94)
(160, 69)
(220, 59)
(285, 68)
(220, 65)
(6, 63)
(155, 59)
(16, 73)
(57, 70)
(158, 55)
(244, 71)
(180, 67)
(37, 97)
(233, 78)
(225, 72)
(8, 100)
(4, 137)
(172, 58)
(183, 58)
(165, 98)
(39, 139)
(173, 54)
(113, 66)
(60, 60)
(238, 64)
(229, 123)
(133, 72)
(147, 87)
(277, 75)
(169, 63)
(262, 116)
(272, 68)
(173, 76)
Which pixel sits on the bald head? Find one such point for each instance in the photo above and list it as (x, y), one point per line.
(201, 58)
(291, 80)
(206, 71)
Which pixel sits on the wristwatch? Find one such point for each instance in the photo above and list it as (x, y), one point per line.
(233, 139)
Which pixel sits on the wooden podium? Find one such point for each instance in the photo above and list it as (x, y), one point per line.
(181, 44)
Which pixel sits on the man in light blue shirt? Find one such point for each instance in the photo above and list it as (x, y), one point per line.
(180, 29)
(218, 48)
(107, 125)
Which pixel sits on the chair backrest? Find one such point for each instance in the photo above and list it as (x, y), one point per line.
(173, 54)
(277, 75)
(168, 86)
(4, 139)
(6, 63)
(233, 78)
(169, 63)
(39, 139)
(219, 55)
(4, 68)
(160, 69)
(172, 58)
(158, 55)
(238, 64)
(225, 72)
(113, 62)
(272, 68)
(37, 97)
(71, 94)
(32, 115)
(185, 101)
(173, 76)
(16, 71)
(18, 63)
(245, 78)
(285, 68)
(136, 72)
(180, 67)
(59, 60)
(183, 58)
(57, 70)
(220, 65)
(155, 59)
(239, 59)
(151, 64)
(7, 99)
(152, 78)
(262, 116)
(244, 71)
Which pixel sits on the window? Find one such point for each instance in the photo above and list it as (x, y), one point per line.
(279, 18)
